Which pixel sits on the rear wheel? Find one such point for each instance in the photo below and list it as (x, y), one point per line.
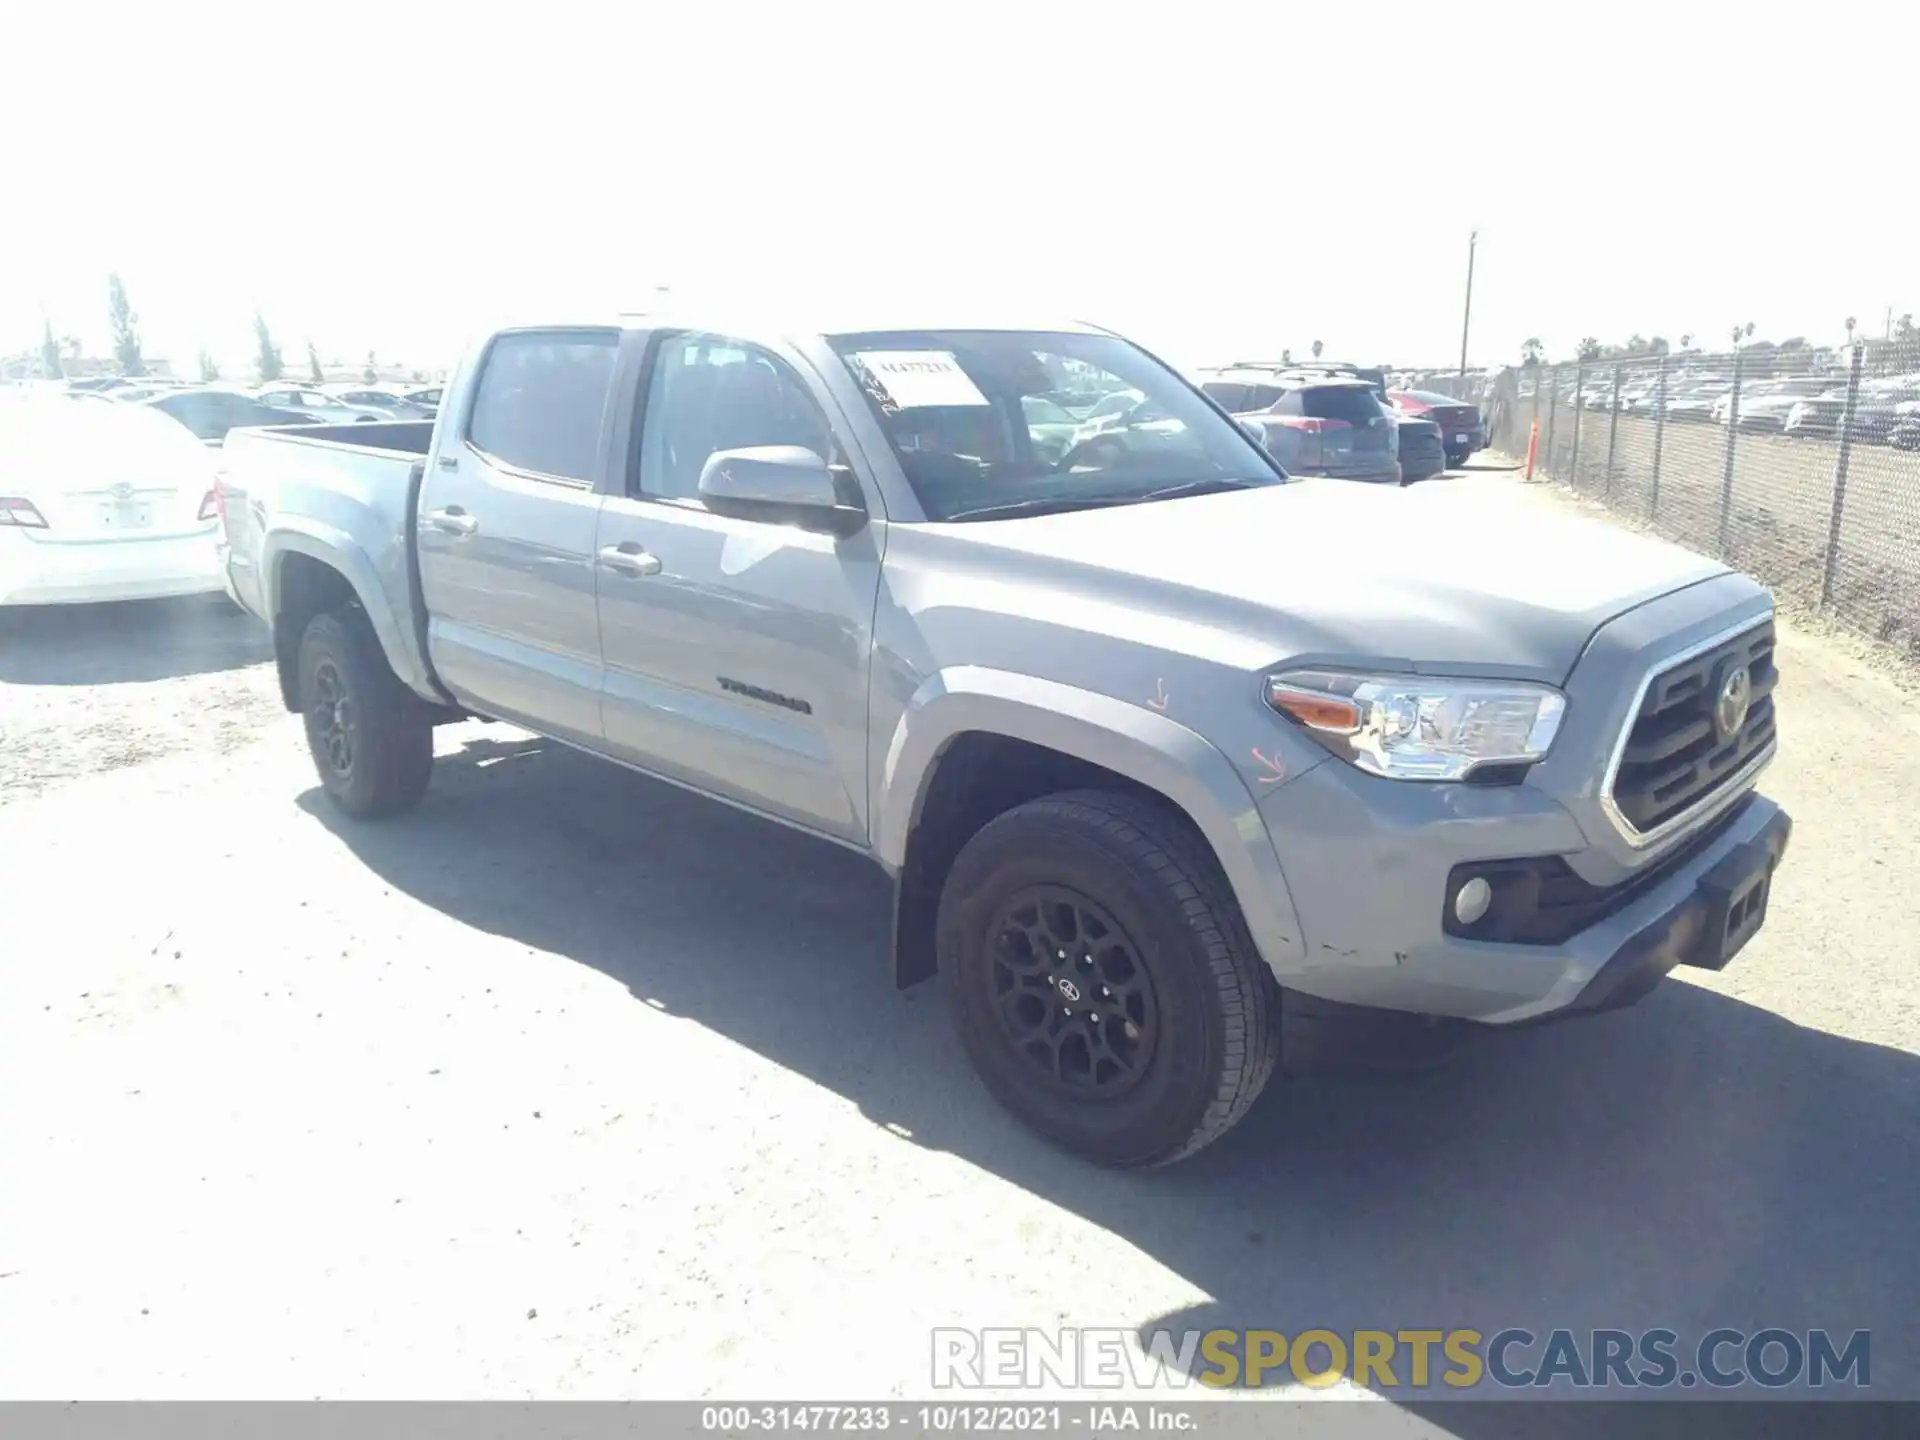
(371, 740)
(1102, 980)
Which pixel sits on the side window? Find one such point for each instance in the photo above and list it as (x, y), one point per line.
(708, 393)
(1289, 404)
(1260, 397)
(541, 401)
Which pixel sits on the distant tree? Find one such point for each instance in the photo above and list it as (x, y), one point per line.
(50, 365)
(1286, 357)
(1532, 352)
(1589, 349)
(1851, 323)
(208, 370)
(126, 339)
(371, 373)
(1794, 342)
(1658, 346)
(1686, 341)
(1317, 348)
(314, 371)
(1904, 332)
(267, 354)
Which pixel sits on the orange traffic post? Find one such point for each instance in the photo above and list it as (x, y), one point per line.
(1533, 444)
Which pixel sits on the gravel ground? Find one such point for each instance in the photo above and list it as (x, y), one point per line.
(571, 1085)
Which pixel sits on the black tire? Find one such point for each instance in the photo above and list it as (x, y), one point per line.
(1209, 1029)
(386, 759)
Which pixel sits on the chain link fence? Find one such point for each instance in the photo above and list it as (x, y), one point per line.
(1800, 467)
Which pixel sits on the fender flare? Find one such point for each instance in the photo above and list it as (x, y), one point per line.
(339, 551)
(1128, 739)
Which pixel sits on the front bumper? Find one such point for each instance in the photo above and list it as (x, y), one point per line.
(42, 572)
(1367, 862)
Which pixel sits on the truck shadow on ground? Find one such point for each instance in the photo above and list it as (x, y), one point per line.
(135, 640)
(1693, 1163)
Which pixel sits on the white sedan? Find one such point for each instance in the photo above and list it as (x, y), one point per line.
(103, 502)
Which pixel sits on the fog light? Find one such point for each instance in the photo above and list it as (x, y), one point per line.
(1471, 900)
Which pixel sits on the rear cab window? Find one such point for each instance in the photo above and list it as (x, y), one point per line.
(540, 402)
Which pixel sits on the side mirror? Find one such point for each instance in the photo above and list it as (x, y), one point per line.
(782, 484)
(1255, 431)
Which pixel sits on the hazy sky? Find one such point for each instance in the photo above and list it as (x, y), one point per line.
(1217, 180)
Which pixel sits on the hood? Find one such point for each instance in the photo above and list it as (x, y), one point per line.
(1436, 579)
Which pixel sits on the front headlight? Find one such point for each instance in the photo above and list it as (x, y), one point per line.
(1413, 727)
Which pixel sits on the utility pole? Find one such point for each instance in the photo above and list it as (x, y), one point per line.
(1466, 321)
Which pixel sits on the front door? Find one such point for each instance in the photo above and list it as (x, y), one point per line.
(735, 651)
(506, 526)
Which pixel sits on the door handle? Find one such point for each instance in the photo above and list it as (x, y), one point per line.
(449, 462)
(629, 559)
(453, 520)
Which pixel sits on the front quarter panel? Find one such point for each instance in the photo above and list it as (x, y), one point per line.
(1129, 739)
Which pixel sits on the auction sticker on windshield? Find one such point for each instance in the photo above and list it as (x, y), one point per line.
(913, 378)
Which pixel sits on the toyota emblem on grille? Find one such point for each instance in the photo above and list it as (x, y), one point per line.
(1730, 709)
(122, 491)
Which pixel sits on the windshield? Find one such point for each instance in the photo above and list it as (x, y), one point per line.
(964, 415)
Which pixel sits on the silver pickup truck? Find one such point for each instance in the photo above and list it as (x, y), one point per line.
(1160, 746)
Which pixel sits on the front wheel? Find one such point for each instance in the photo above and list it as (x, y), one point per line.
(372, 742)
(1102, 979)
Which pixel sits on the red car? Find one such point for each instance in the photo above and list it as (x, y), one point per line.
(1463, 429)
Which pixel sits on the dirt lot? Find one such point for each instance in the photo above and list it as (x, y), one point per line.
(1779, 512)
(569, 1084)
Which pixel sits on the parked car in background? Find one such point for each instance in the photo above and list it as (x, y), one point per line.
(423, 397)
(1463, 429)
(103, 502)
(316, 406)
(1766, 404)
(1419, 444)
(1875, 414)
(210, 413)
(1313, 424)
(387, 401)
(1695, 400)
(141, 390)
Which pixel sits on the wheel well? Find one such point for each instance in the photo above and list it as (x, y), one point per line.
(976, 777)
(307, 587)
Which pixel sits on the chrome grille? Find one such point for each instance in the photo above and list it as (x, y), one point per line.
(1675, 757)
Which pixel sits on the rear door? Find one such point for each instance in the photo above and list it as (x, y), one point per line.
(506, 531)
(736, 650)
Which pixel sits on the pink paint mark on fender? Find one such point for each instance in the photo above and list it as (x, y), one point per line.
(1158, 700)
(1276, 770)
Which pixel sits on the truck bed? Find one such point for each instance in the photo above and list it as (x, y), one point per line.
(400, 437)
(348, 488)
